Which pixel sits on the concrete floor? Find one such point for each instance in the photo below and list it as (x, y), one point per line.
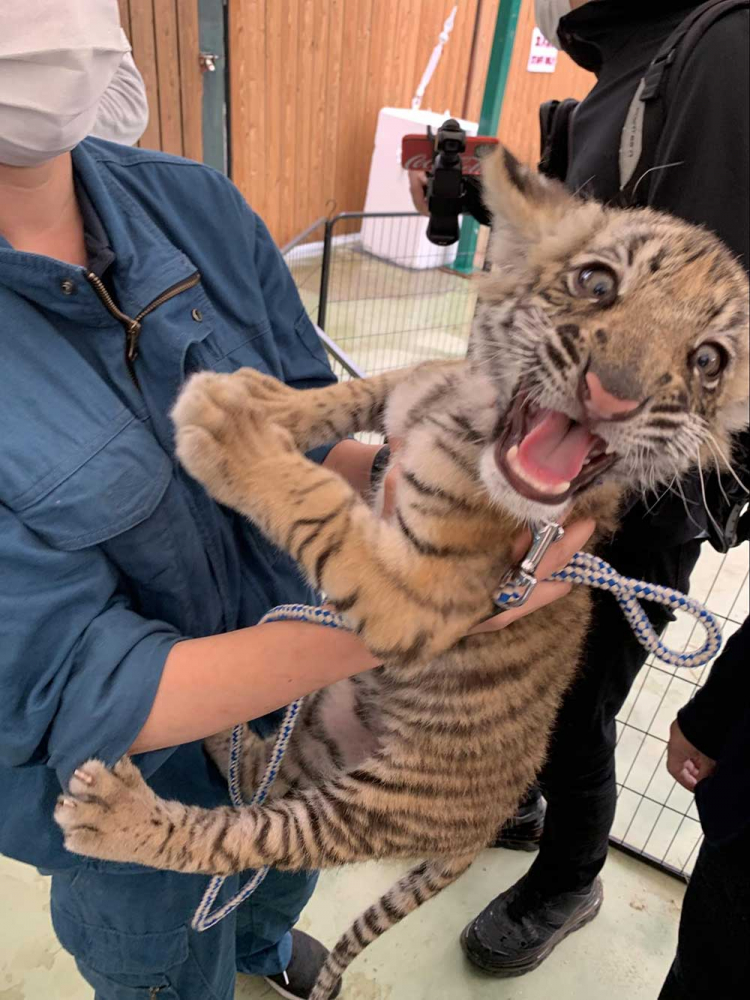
(622, 955)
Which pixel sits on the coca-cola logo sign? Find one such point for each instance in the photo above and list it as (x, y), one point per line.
(418, 162)
(417, 154)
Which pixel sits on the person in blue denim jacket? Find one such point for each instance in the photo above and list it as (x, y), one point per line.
(128, 598)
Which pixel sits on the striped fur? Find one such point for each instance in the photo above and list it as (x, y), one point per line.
(427, 755)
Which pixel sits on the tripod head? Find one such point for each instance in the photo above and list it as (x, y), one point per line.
(445, 186)
(449, 157)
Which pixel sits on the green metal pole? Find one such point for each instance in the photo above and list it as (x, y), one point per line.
(489, 118)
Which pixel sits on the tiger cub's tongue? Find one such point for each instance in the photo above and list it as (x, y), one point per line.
(554, 450)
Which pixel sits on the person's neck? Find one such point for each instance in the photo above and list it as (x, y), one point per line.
(39, 212)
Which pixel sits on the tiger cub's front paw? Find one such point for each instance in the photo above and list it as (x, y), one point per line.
(223, 436)
(112, 815)
(273, 398)
(299, 412)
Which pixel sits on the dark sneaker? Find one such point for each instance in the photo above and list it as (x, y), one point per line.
(524, 831)
(521, 927)
(297, 980)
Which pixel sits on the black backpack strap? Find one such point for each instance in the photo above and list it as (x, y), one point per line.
(555, 122)
(646, 115)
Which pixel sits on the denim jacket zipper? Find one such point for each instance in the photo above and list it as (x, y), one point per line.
(132, 325)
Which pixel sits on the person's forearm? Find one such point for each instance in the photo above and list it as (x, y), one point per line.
(213, 683)
(210, 684)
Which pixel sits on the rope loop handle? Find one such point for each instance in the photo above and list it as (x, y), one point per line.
(594, 572)
(591, 571)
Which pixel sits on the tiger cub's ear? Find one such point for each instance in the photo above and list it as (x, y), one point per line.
(524, 205)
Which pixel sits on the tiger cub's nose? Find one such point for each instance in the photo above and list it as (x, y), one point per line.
(601, 404)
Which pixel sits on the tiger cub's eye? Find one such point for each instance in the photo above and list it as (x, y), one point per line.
(597, 282)
(708, 360)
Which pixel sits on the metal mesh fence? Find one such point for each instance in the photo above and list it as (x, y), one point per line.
(388, 301)
(656, 818)
(382, 295)
(304, 258)
(400, 306)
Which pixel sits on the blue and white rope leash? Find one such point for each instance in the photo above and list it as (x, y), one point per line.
(204, 918)
(515, 590)
(594, 572)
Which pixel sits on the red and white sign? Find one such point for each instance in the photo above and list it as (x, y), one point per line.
(417, 152)
(543, 56)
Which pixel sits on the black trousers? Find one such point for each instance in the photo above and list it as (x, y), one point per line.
(578, 779)
(713, 950)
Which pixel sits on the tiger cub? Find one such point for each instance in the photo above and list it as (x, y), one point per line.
(609, 351)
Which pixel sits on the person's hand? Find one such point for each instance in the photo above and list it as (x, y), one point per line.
(557, 556)
(417, 186)
(685, 762)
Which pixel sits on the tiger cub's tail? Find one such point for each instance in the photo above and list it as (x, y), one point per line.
(417, 886)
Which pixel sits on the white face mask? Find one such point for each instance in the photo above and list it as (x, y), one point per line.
(548, 14)
(57, 58)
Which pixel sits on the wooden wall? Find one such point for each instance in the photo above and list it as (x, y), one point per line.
(164, 36)
(308, 77)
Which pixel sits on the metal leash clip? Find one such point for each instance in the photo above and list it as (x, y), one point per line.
(518, 583)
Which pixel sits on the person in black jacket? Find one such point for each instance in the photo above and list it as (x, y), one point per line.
(709, 753)
(699, 171)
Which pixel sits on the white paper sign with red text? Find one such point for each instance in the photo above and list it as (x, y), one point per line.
(543, 56)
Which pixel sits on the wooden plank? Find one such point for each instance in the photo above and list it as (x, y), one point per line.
(191, 79)
(303, 132)
(378, 93)
(461, 56)
(248, 119)
(411, 70)
(440, 91)
(398, 71)
(285, 76)
(167, 64)
(124, 7)
(435, 95)
(274, 21)
(362, 134)
(477, 70)
(144, 53)
(448, 86)
(343, 148)
(316, 198)
(376, 69)
(335, 96)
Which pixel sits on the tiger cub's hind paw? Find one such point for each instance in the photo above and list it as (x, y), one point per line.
(110, 814)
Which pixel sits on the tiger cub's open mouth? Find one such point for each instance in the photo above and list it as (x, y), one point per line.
(545, 455)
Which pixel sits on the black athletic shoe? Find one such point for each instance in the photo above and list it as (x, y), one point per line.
(521, 927)
(524, 831)
(297, 980)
